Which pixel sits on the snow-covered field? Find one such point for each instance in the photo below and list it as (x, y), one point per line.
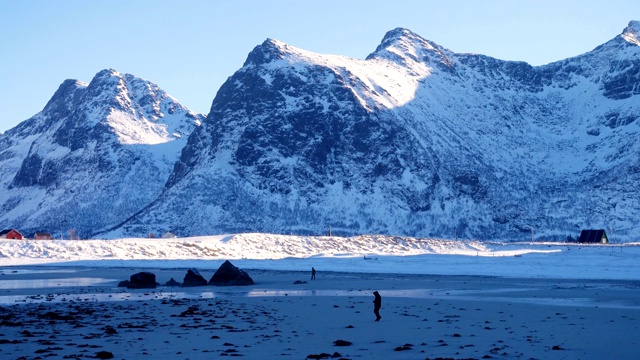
(384, 254)
(441, 299)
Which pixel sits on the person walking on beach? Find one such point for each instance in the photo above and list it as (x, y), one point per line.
(377, 303)
(313, 273)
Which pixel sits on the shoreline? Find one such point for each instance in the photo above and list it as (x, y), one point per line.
(458, 317)
(387, 254)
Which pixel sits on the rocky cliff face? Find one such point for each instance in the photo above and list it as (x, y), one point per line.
(94, 156)
(414, 140)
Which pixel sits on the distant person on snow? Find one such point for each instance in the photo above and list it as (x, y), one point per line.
(377, 303)
(313, 273)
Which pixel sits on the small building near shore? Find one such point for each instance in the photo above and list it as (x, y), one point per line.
(593, 237)
(41, 235)
(11, 234)
(169, 235)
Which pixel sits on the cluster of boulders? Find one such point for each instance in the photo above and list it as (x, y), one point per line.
(226, 275)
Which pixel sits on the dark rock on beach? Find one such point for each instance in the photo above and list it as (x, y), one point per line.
(172, 282)
(104, 355)
(229, 275)
(193, 278)
(404, 347)
(142, 280)
(342, 343)
(324, 356)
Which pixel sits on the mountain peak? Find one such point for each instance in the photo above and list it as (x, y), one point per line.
(632, 32)
(104, 84)
(107, 72)
(135, 110)
(404, 47)
(66, 94)
(401, 37)
(106, 75)
(268, 51)
(399, 33)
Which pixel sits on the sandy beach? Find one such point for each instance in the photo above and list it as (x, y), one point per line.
(44, 315)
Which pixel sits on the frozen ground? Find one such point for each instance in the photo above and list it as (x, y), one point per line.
(441, 299)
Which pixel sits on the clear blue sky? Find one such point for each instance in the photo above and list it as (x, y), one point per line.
(189, 48)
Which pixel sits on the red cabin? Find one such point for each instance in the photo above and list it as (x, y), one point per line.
(11, 234)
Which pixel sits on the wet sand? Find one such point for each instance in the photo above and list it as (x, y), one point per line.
(460, 317)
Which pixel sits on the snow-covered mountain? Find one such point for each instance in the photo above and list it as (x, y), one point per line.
(415, 140)
(95, 155)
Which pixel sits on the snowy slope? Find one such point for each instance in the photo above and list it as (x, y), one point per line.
(94, 156)
(415, 140)
(361, 254)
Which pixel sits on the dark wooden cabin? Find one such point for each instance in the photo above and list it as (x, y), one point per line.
(593, 237)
